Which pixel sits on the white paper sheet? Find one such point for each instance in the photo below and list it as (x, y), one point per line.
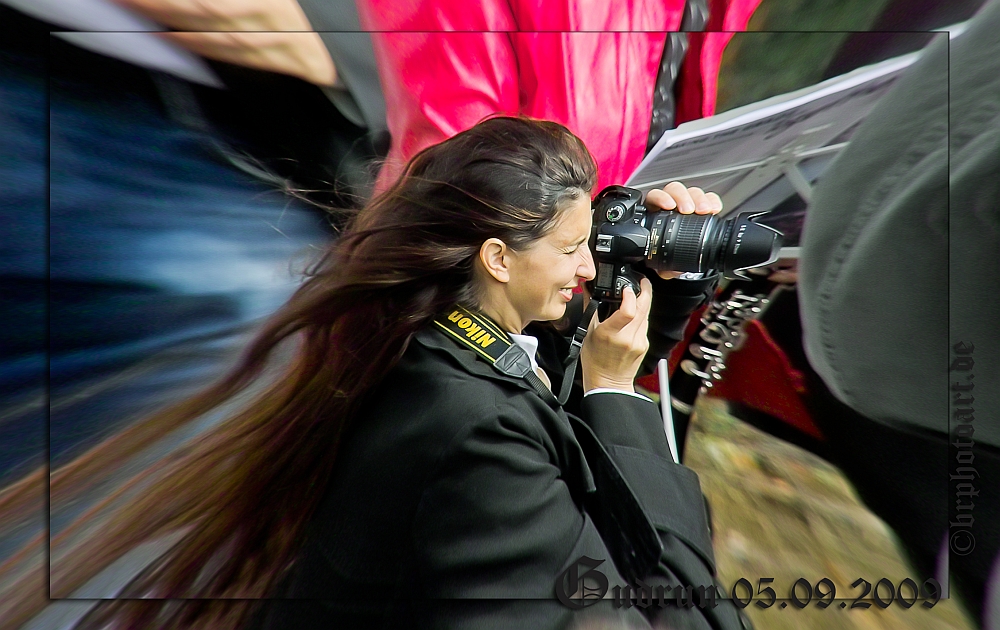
(765, 152)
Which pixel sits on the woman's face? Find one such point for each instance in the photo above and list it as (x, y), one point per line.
(543, 275)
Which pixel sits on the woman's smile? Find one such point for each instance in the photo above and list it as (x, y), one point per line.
(566, 293)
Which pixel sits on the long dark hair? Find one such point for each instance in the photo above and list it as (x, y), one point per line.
(239, 495)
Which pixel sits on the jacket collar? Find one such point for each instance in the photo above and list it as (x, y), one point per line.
(435, 339)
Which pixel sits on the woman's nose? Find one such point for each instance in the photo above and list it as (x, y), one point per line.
(587, 270)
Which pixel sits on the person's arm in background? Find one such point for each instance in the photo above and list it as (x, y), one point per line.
(319, 42)
(271, 35)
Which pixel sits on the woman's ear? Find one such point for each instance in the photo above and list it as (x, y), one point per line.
(495, 256)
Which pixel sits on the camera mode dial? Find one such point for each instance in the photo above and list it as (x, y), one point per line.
(615, 212)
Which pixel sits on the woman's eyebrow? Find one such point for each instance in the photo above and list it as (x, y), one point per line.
(575, 243)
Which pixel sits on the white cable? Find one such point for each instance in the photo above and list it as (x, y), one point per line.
(665, 409)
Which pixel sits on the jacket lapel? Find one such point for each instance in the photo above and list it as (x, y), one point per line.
(555, 421)
(626, 529)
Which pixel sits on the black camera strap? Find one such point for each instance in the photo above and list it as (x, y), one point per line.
(569, 365)
(481, 335)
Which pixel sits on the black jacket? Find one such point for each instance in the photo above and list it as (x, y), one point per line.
(460, 497)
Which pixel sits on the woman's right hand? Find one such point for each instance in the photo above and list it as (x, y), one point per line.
(613, 349)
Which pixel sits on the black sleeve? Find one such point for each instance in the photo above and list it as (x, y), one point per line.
(673, 303)
(497, 525)
(631, 431)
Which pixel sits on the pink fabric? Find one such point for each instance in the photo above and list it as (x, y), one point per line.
(698, 86)
(447, 64)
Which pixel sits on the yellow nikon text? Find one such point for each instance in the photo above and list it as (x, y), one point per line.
(472, 330)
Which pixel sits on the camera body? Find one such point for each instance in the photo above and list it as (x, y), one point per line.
(619, 240)
(625, 234)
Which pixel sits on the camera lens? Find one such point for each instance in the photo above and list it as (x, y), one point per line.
(703, 242)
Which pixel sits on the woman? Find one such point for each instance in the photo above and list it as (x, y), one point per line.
(425, 475)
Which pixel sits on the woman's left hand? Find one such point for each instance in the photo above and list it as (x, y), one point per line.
(613, 349)
(677, 197)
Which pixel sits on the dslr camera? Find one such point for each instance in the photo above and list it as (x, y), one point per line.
(625, 234)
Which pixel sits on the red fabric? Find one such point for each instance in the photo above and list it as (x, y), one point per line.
(759, 375)
(699, 82)
(446, 65)
(651, 382)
